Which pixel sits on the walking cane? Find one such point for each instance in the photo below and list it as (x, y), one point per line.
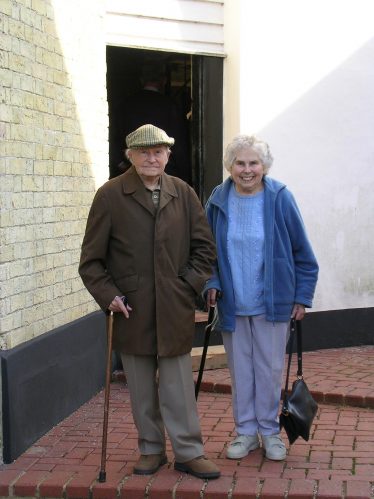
(208, 329)
(109, 329)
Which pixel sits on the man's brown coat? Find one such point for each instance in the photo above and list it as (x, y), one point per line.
(160, 259)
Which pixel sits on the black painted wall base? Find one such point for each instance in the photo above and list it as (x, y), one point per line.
(338, 329)
(46, 379)
(332, 329)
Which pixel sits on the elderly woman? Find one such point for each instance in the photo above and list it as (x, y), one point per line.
(147, 253)
(266, 273)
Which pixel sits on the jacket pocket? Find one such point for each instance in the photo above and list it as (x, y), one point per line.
(127, 283)
(284, 281)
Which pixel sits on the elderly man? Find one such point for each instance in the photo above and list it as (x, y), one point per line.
(146, 254)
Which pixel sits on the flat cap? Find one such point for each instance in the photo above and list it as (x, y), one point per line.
(148, 136)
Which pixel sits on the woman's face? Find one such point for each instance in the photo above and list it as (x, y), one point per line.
(247, 172)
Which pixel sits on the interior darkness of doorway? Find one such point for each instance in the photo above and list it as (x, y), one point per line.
(195, 83)
(124, 67)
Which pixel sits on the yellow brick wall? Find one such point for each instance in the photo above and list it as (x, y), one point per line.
(53, 150)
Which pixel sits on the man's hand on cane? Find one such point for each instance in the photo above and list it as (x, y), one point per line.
(120, 304)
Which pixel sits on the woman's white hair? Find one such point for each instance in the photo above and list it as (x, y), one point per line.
(248, 141)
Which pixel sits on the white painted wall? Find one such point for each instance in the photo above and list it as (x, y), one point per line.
(306, 85)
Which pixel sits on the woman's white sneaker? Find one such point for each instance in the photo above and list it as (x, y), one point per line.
(242, 446)
(274, 447)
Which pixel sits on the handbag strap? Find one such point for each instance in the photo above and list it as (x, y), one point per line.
(295, 328)
(299, 342)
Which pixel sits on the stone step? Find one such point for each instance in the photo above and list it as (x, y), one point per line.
(215, 357)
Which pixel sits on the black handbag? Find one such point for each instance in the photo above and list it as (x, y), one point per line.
(298, 407)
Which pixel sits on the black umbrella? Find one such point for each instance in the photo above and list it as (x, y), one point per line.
(208, 329)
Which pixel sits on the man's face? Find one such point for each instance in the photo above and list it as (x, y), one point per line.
(149, 162)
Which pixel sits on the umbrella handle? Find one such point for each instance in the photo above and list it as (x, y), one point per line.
(108, 375)
(208, 330)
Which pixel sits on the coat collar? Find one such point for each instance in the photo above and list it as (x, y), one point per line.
(220, 195)
(132, 185)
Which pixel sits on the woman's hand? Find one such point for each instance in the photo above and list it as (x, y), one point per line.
(211, 299)
(120, 304)
(298, 312)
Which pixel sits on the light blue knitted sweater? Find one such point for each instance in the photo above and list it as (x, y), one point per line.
(245, 245)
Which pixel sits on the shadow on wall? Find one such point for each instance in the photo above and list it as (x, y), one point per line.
(323, 150)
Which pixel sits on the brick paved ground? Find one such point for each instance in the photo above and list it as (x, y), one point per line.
(337, 462)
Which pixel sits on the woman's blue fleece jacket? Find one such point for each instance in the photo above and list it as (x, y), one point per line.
(291, 269)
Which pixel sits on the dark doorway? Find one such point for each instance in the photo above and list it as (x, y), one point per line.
(194, 85)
